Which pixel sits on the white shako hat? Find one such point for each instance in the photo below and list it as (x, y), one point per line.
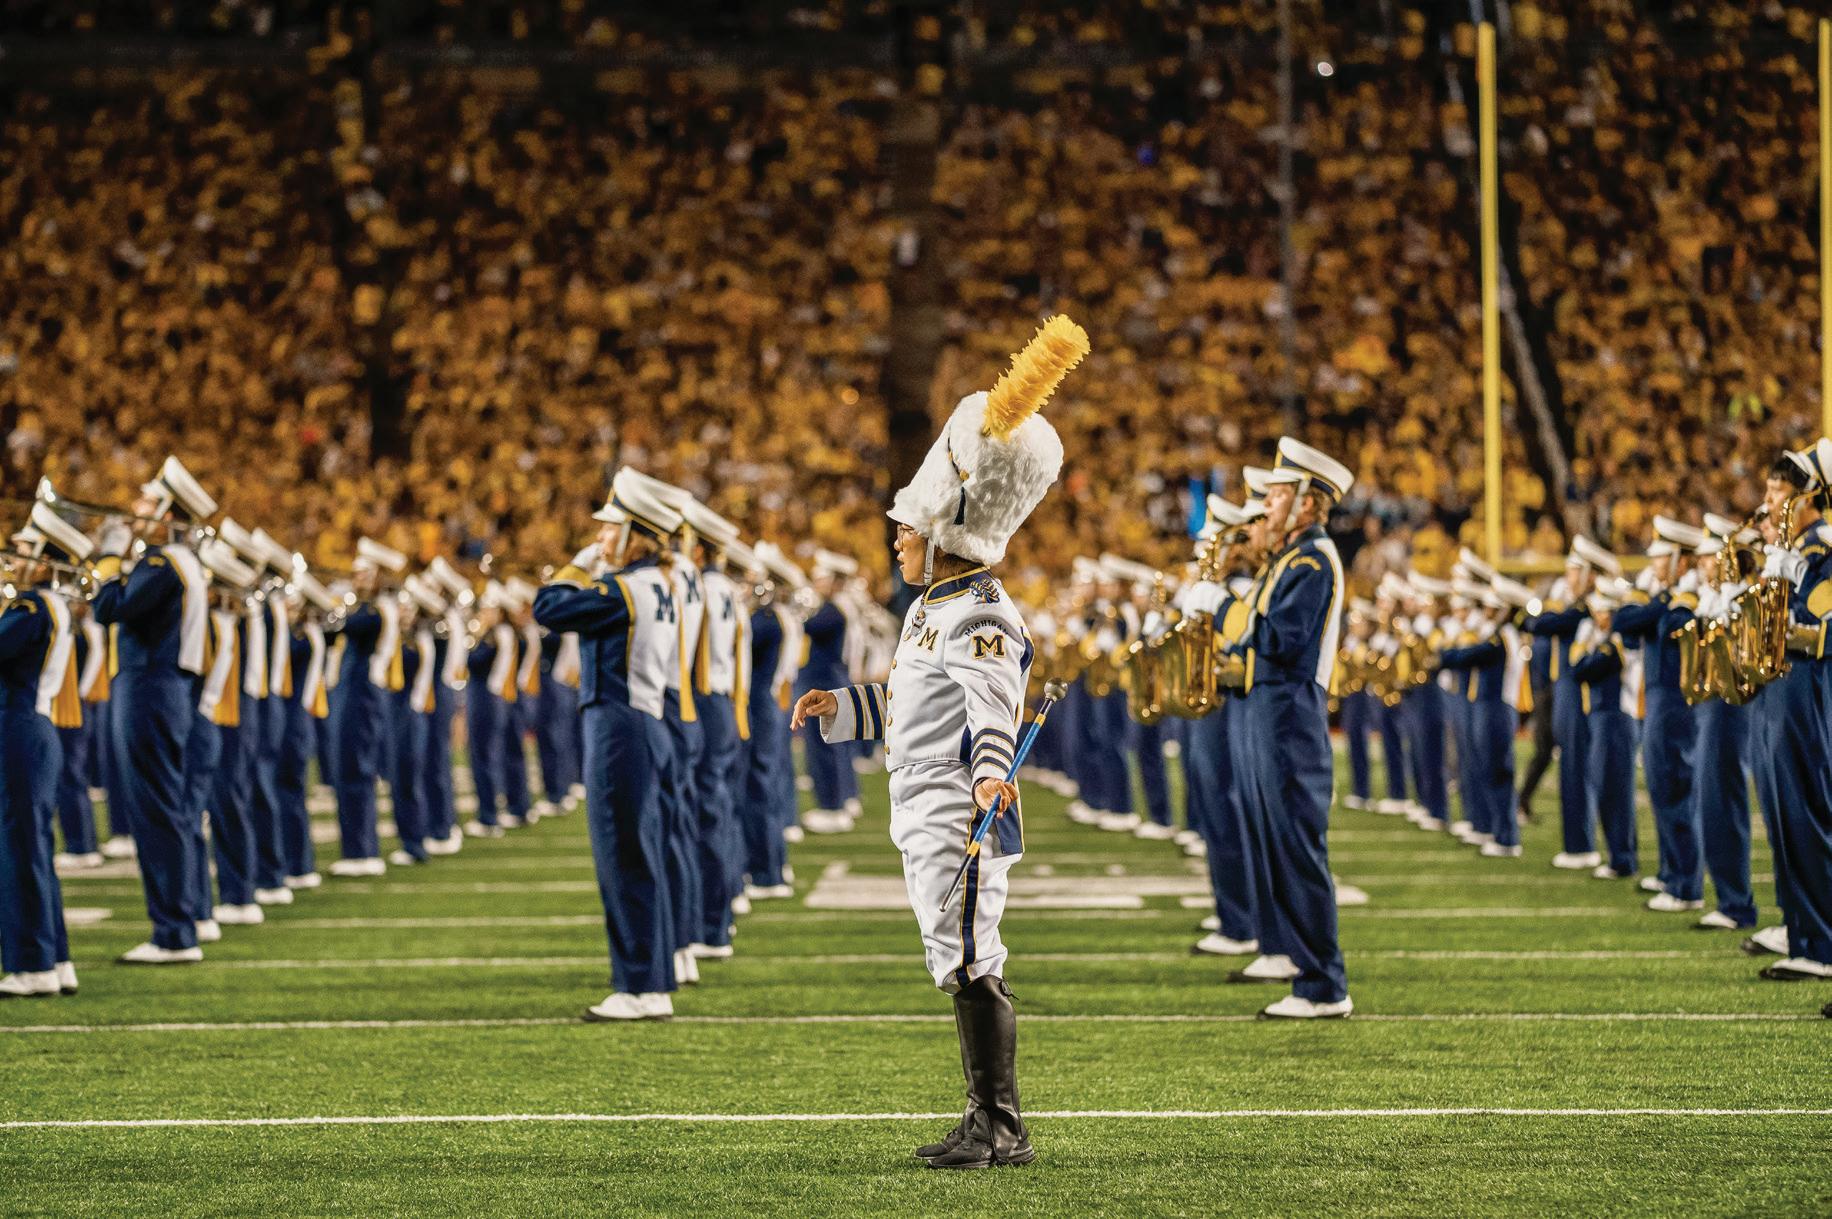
(1678, 535)
(832, 563)
(371, 555)
(441, 572)
(1815, 462)
(45, 528)
(242, 542)
(1260, 480)
(740, 558)
(173, 487)
(1084, 570)
(996, 457)
(1513, 592)
(220, 559)
(779, 566)
(309, 586)
(711, 528)
(425, 594)
(270, 552)
(1478, 568)
(1426, 586)
(635, 502)
(1318, 467)
(1586, 553)
(1229, 515)
(1127, 571)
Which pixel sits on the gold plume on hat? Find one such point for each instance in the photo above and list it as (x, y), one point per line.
(1035, 372)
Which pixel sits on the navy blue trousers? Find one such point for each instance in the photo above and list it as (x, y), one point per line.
(829, 766)
(298, 739)
(1787, 752)
(485, 719)
(231, 802)
(436, 767)
(203, 752)
(1392, 722)
(360, 724)
(1667, 746)
(1215, 797)
(1254, 797)
(75, 812)
(554, 737)
(405, 770)
(32, 937)
(721, 843)
(624, 754)
(266, 720)
(105, 749)
(1492, 727)
(768, 786)
(1720, 792)
(1611, 777)
(1147, 742)
(681, 820)
(1424, 718)
(1460, 714)
(1290, 737)
(1358, 721)
(151, 721)
(515, 756)
(1576, 799)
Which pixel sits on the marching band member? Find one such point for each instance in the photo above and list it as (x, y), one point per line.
(520, 709)
(75, 808)
(162, 609)
(1422, 702)
(1145, 742)
(1557, 621)
(1287, 662)
(950, 715)
(717, 697)
(249, 781)
(270, 615)
(307, 708)
(1076, 715)
(1108, 729)
(38, 696)
(371, 668)
(629, 640)
(1389, 597)
(410, 712)
(1666, 595)
(1720, 779)
(823, 666)
(1495, 660)
(556, 711)
(1359, 708)
(490, 665)
(754, 782)
(1599, 666)
(219, 763)
(769, 788)
(1216, 758)
(451, 667)
(1788, 727)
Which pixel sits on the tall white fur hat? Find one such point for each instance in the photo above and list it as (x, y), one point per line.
(996, 457)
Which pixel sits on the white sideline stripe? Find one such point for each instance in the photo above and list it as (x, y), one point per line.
(1199, 1115)
(892, 958)
(507, 1022)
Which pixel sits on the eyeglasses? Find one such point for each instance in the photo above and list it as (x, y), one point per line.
(905, 533)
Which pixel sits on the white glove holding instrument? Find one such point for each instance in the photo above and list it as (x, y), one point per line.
(1784, 564)
(115, 540)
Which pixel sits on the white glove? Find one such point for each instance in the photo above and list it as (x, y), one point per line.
(587, 559)
(1646, 581)
(1587, 630)
(1708, 603)
(115, 540)
(1688, 583)
(1783, 564)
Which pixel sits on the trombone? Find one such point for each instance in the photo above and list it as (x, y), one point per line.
(47, 495)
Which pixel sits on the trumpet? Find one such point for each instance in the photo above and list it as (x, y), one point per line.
(68, 578)
(47, 495)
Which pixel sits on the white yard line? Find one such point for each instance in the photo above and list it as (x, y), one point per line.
(1199, 1115)
(277, 1026)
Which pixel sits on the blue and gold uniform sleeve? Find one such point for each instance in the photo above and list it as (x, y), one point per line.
(986, 658)
(1472, 656)
(599, 608)
(1557, 621)
(859, 717)
(1640, 621)
(23, 627)
(145, 592)
(1601, 663)
(362, 626)
(1295, 612)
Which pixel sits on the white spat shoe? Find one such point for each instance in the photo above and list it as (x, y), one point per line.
(793, 834)
(1119, 823)
(80, 862)
(1219, 945)
(1266, 969)
(35, 985)
(1151, 831)
(709, 952)
(741, 904)
(371, 866)
(151, 954)
(1666, 903)
(1651, 884)
(760, 893)
(402, 858)
(119, 847)
(1350, 895)
(477, 829)
(305, 880)
(209, 931)
(626, 1007)
(1211, 923)
(1798, 969)
(1769, 939)
(274, 897)
(686, 969)
(66, 977)
(1716, 920)
(1577, 861)
(240, 916)
(1293, 1008)
(1494, 850)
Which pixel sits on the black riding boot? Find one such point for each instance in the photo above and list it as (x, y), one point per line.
(993, 1132)
(951, 1140)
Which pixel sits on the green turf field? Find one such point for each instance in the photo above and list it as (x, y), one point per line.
(1619, 1062)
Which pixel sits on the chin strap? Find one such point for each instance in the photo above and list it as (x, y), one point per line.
(623, 543)
(928, 563)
